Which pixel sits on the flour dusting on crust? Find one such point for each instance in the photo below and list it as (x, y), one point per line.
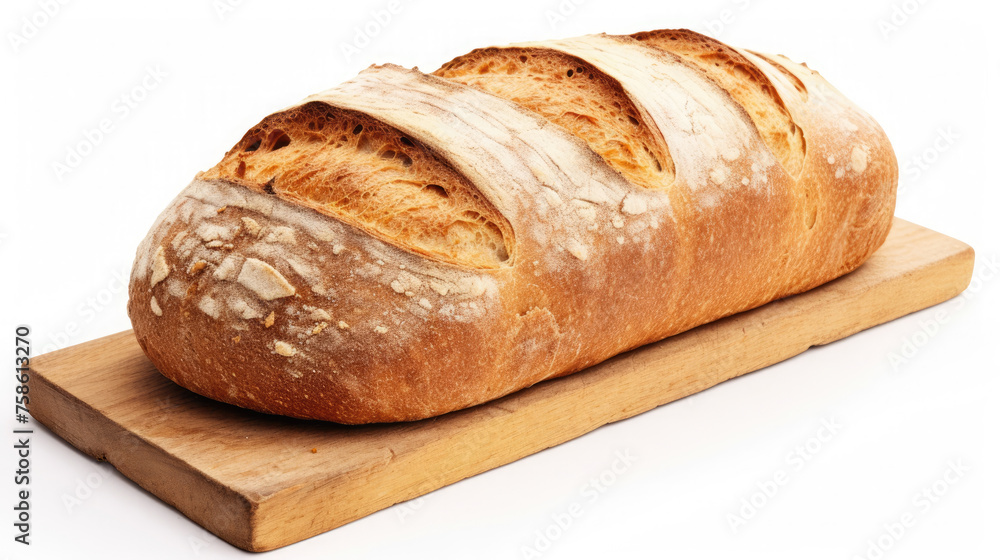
(263, 280)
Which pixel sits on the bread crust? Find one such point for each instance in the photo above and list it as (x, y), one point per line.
(253, 298)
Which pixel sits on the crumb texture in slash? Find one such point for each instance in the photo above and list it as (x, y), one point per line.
(509, 153)
(746, 83)
(777, 62)
(572, 93)
(353, 167)
(263, 279)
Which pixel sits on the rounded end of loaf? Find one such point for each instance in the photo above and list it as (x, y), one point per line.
(257, 302)
(850, 174)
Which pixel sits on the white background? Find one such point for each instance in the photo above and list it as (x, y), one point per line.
(66, 240)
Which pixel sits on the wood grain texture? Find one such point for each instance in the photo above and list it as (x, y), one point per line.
(253, 480)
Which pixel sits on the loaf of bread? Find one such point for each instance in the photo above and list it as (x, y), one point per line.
(409, 244)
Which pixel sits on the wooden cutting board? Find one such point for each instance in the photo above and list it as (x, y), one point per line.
(261, 482)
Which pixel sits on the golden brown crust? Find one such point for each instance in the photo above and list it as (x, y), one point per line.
(748, 85)
(339, 162)
(570, 92)
(254, 297)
